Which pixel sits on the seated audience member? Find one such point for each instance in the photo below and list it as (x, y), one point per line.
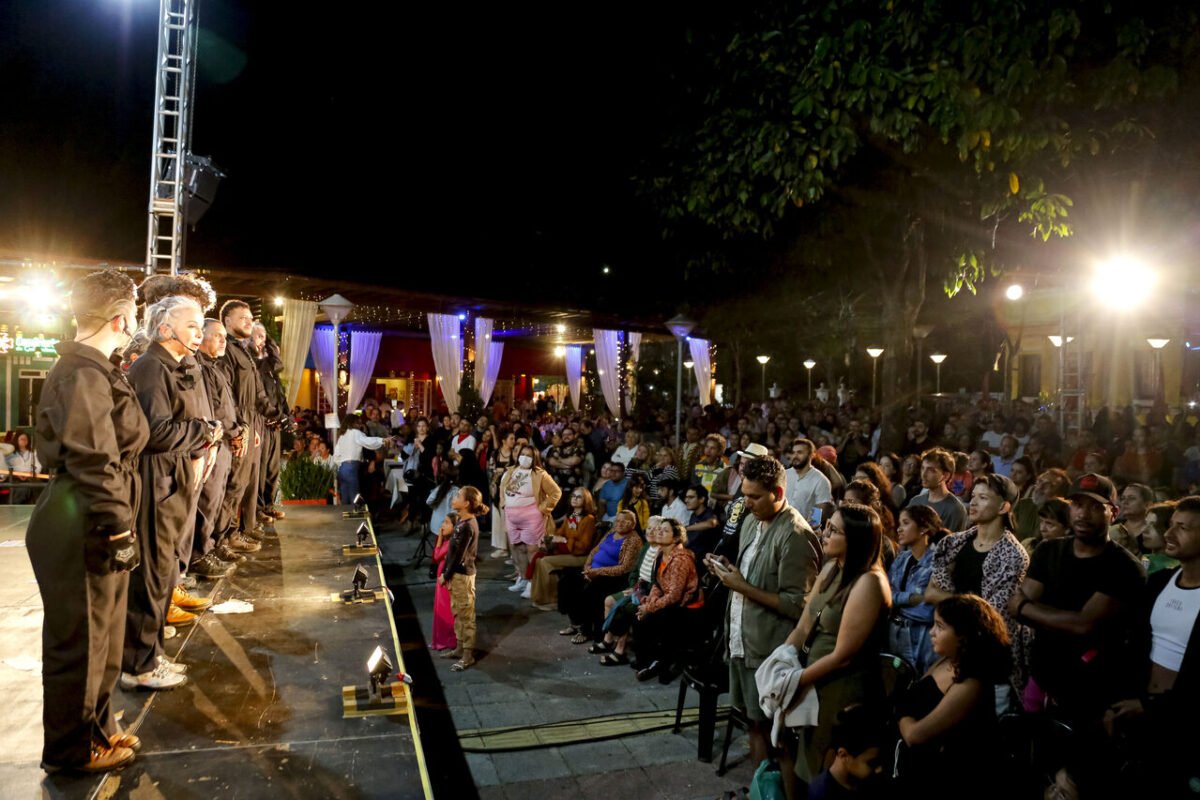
(986, 560)
(948, 719)
(1154, 543)
(636, 500)
(665, 469)
(912, 617)
(611, 492)
(661, 617)
(843, 628)
(23, 461)
(1054, 522)
(1131, 525)
(605, 571)
(1152, 726)
(624, 604)
(703, 527)
(674, 506)
(1050, 483)
(858, 758)
(1080, 598)
(936, 468)
(825, 461)
(711, 462)
(566, 549)
(776, 565)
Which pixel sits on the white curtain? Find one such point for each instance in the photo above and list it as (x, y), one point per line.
(635, 351)
(298, 319)
(493, 371)
(699, 350)
(446, 337)
(483, 340)
(364, 350)
(324, 353)
(574, 362)
(608, 356)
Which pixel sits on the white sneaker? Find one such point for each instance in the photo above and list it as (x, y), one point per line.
(527, 592)
(499, 554)
(169, 632)
(178, 669)
(160, 678)
(517, 586)
(509, 561)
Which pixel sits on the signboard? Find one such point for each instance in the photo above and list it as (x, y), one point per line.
(26, 344)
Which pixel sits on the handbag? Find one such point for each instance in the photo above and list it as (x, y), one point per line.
(768, 782)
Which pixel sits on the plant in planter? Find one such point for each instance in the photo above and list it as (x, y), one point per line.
(303, 480)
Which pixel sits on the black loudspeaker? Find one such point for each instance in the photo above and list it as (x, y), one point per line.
(201, 179)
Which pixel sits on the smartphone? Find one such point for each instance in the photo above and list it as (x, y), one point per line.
(814, 518)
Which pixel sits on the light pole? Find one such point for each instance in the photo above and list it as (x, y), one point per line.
(808, 365)
(920, 333)
(679, 326)
(763, 361)
(938, 358)
(687, 365)
(874, 353)
(1158, 345)
(337, 308)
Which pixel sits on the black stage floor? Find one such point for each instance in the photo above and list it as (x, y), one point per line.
(262, 711)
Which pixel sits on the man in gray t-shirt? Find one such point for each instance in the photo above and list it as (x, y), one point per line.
(937, 465)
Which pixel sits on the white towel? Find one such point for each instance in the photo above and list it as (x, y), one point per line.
(777, 679)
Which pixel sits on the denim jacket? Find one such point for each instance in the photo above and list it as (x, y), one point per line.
(918, 579)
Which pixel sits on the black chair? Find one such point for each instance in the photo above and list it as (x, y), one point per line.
(711, 682)
(898, 675)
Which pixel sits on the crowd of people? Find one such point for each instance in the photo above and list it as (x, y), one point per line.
(1000, 566)
(162, 445)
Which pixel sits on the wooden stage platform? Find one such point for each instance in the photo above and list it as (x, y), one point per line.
(262, 713)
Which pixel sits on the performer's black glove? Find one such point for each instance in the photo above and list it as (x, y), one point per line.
(107, 553)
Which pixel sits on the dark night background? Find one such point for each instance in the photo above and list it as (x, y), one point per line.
(394, 144)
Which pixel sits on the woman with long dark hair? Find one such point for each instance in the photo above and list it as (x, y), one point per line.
(500, 458)
(908, 631)
(844, 626)
(947, 720)
(459, 574)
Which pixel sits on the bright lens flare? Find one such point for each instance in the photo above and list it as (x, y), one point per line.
(1123, 282)
(1015, 292)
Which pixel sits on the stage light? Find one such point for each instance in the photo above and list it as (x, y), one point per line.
(360, 579)
(278, 302)
(361, 535)
(1122, 282)
(462, 317)
(1015, 291)
(560, 328)
(689, 364)
(379, 668)
(560, 351)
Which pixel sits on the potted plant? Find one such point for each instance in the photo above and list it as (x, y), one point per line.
(305, 482)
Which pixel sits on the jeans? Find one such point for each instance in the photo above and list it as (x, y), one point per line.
(913, 643)
(347, 481)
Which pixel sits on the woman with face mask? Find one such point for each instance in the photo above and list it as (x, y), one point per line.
(528, 495)
(90, 432)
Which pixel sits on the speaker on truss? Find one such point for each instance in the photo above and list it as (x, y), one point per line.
(201, 179)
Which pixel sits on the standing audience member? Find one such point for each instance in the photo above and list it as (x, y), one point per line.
(528, 495)
(936, 467)
(1131, 525)
(460, 567)
(442, 636)
(348, 455)
(80, 539)
(909, 574)
(1050, 483)
(807, 487)
(843, 628)
(777, 562)
(1080, 598)
(23, 461)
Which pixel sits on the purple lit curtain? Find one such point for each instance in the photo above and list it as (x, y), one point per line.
(298, 319)
(364, 350)
(574, 361)
(699, 351)
(445, 335)
(488, 355)
(324, 353)
(608, 355)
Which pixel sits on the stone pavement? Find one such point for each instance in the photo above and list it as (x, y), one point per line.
(528, 674)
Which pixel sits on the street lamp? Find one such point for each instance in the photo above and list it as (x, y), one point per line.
(688, 365)
(874, 353)
(808, 365)
(679, 326)
(337, 308)
(938, 358)
(763, 361)
(1123, 282)
(1057, 341)
(921, 333)
(1014, 292)
(1158, 345)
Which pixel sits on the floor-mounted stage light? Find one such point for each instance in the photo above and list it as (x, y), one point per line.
(358, 509)
(364, 541)
(360, 580)
(384, 692)
(359, 593)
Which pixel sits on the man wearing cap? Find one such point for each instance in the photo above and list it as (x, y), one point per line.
(1080, 597)
(807, 486)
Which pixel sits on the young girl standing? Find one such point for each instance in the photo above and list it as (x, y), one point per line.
(443, 618)
(459, 574)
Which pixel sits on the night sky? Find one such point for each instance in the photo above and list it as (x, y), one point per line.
(482, 152)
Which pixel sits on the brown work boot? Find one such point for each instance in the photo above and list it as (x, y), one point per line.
(241, 544)
(275, 512)
(188, 602)
(177, 616)
(229, 555)
(104, 757)
(125, 740)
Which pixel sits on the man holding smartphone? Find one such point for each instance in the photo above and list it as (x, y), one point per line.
(778, 559)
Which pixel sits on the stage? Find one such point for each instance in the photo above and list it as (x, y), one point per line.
(262, 711)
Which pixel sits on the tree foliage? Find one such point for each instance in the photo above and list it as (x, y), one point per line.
(970, 113)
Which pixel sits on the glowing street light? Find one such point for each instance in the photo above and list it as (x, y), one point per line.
(1123, 282)
(1158, 345)
(1057, 341)
(874, 353)
(560, 351)
(1014, 292)
(937, 359)
(278, 301)
(763, 361)
(808, 365)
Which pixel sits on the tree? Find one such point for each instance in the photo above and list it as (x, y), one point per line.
(899, 139)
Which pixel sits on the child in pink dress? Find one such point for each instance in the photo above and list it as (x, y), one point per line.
(443, 617)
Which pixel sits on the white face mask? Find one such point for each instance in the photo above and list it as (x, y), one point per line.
(525, 461)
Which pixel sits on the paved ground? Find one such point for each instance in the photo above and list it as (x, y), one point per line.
(528, 674)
